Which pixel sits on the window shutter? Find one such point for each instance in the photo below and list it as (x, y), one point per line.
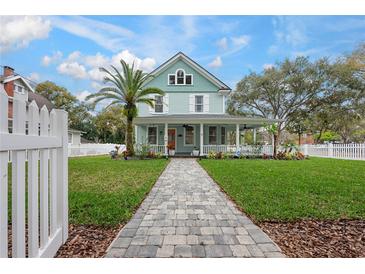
(206, 103)
(151, 109)
(166, 103)
(191, 103)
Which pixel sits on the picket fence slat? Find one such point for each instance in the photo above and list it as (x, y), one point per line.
(18, 183)
(3, 177)
(33, 155)
(53, 177)
(44, 156)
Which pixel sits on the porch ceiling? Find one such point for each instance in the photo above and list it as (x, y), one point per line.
(203, 118)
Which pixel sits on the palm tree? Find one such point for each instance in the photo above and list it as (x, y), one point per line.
(126, 88)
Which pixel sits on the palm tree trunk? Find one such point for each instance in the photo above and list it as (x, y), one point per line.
(129, 138)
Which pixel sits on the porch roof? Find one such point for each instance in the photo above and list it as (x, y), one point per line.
(203, 118)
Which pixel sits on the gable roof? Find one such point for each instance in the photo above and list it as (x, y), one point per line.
(16, 77)
(181, 56)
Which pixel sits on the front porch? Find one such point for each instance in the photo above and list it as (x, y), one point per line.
(196, 135)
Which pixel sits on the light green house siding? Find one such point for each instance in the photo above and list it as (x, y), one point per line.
(178, 95)
(180, 100)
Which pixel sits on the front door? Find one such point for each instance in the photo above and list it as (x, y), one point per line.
(171, 141)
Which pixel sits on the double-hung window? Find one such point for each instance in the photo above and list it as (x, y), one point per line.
(158, 104)
(199, 103)
(189, 135)
(152, 135)
(212, 135)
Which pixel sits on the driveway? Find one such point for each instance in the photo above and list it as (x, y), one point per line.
(187, 215)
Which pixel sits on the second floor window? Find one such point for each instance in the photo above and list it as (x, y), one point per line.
(159, 104)
(199, 103)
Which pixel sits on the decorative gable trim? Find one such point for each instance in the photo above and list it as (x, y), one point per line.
(221, 86)
(18, 77)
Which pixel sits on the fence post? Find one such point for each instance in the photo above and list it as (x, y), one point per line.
(330, 150)
(62, 174)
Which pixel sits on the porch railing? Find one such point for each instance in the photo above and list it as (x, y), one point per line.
(244, 149)
(154, 148)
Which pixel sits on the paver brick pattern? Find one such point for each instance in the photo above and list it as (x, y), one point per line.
(186, 215)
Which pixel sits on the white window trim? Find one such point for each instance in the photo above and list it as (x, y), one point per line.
(16, 86)
(194, 136)
(148, 139)
(168, 79)
(202, 104)
(176, 84)
(192, 79)
(216, 135)
(163, 107)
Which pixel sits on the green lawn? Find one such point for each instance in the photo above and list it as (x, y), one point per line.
(289, 190)
(106, 192)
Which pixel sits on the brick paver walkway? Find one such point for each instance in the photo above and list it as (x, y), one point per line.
(187, 215)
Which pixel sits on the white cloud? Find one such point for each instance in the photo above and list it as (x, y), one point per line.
(267, 66)
(97, 60)
(241, 41)
(146, 64)
(47, 60)
(73, 56)
(289, 31)
(34, 77)
(223, 43)
(96, 85)
(82, 95)
(108, 36)
(72, 69)
(96, 75)
(18, 31)
(216, 63)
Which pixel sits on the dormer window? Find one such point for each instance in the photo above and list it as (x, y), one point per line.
(180, 78)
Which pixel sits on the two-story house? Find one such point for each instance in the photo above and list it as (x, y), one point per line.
(192, 115)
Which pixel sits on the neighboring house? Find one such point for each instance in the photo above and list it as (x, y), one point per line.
(17, 86)
(192, 115)
(74, 137)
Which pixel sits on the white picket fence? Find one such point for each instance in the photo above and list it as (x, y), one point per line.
(92, 149)
(339, 151)
(44, 185)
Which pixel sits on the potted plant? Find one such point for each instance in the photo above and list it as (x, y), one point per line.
(195, 152)
(171, 150)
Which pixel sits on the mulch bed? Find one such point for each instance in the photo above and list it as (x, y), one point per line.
(318, 239)
(87, 241)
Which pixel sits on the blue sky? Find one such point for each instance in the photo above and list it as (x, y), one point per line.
(69, 49)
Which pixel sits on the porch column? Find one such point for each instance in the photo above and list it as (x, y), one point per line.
(237, 136)
(254, 136)
(166, 137)
(201, 138)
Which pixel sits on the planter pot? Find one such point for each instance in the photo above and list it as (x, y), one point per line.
(172, 152)
(195, 153)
